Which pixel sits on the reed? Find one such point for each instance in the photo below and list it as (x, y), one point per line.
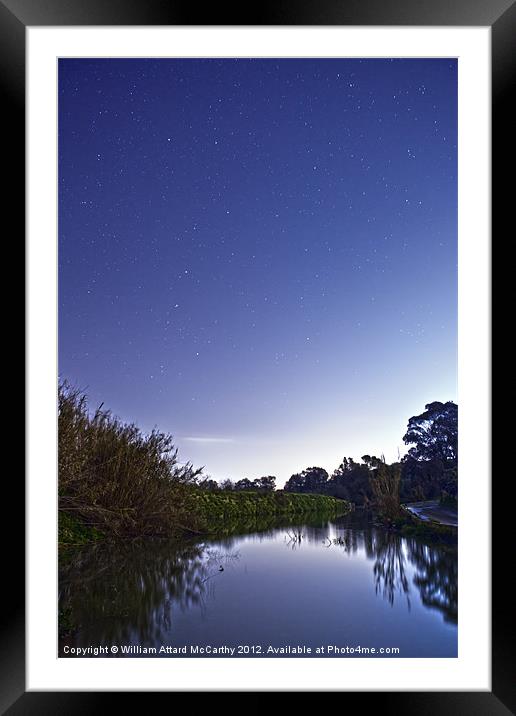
(117, 479)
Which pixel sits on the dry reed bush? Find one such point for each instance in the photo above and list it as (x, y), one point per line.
(114, 477)
(385, 483)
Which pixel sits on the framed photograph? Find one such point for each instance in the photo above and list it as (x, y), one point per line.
(258, 365)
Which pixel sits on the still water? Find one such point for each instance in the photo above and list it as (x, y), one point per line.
(338, 583)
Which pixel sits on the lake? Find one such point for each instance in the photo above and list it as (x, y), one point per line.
(335, 585)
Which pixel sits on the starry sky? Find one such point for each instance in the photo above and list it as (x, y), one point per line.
(260, 255)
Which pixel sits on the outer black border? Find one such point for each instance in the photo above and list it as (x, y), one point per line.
(15, 15)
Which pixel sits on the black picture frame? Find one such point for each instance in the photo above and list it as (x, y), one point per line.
(500, 16)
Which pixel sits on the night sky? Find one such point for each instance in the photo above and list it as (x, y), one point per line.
(260, 256)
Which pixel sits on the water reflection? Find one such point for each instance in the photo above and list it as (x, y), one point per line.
(389, 569)
(137, 592)
(131, 588)
(436, 579)
(435, 575)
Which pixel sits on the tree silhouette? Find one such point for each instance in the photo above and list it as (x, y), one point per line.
(244, 484)
(210, 485)
(313, 479)
(350, 481)
(434, 434)
(265, 484)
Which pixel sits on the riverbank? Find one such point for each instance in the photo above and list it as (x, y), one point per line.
(408, 524)
(434, 511)
(264, 587)
(216, 513)
(116, 482)
(216, 509)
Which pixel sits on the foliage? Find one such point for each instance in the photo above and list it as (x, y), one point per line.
(434, 434)
(73, 533)
(385, 484)
(350, 481)
(313, 479)
(214, 509)
(243, 484)
(265, 484)
(116, 479)
(227, 485)
(429, 469)
(420, 480)
(260, 484)
(429, 532)
(449, 485)
(209, 484)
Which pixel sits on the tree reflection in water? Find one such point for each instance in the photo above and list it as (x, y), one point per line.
(130, 591)
(389, 567)
(436, 578)
(131, 588)
(435, 566)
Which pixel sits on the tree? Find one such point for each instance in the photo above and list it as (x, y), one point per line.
(434, 434)
(227, 485)
(421, 480)
(210, 485)
(313, 479)
(350, 481)
(372, 461)
(265, 484)
(449, 485)
(295, 483)
(243, 484)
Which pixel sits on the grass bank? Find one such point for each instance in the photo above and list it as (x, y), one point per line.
(215, 509)
(221, 513)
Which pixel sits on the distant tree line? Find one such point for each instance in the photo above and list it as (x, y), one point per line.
(427, 471)
(260, 484)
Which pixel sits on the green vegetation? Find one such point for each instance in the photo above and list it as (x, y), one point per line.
(405, 523)
(73, 533)
(449, 499)
(115, 481)
(429, 532)
(215, 509)
(385, 484)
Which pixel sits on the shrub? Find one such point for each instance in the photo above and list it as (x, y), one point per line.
(115, 478)
(385, 484)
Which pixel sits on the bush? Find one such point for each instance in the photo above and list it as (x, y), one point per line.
(114, 478)
(215, 509)
(75, 533)
(385, 484)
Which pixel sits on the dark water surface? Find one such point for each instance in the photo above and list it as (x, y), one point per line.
(340, 583)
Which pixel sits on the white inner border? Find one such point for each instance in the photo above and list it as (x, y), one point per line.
(471, 670)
